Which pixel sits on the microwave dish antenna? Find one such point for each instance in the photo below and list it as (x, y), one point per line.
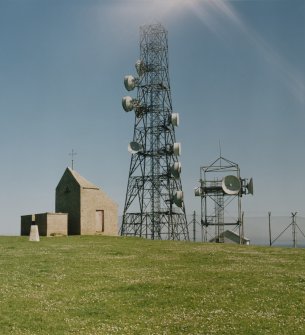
(175, 119)
(177, 149)
(135, 147)
(178, 198)
(140, 67)
(130, 82)
(249, 186)
(128, 103)
(231, 185)
(176, 170)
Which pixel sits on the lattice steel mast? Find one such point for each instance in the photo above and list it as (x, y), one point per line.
(154, 206)
(221, 189)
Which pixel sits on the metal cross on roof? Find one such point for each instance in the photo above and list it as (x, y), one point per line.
(73, 153)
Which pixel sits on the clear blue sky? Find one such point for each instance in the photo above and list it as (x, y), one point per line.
(237, 71)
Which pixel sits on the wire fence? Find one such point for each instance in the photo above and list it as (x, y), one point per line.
(260, 230)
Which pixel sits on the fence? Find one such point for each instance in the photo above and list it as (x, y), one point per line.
(257, 230)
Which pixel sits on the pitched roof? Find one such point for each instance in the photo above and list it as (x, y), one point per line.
(81, 180)
(231, 235)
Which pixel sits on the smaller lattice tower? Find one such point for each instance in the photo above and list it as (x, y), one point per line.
(154, 206)
(221, 189)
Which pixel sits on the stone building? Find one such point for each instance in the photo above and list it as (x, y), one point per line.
(81, 209)
(90, 210)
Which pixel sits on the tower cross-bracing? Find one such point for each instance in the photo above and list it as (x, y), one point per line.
(154, 206)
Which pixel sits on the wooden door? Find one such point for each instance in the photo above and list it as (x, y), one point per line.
(99, 221)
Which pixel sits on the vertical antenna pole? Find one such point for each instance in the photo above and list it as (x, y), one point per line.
(219, 149)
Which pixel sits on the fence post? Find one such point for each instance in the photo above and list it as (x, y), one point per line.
(194, 226)
(269, 220)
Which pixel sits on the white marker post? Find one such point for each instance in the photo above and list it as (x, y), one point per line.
(34, 234)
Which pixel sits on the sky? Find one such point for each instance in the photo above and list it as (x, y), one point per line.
(237, 74)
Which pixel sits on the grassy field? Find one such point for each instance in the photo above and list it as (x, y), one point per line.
(104, 285)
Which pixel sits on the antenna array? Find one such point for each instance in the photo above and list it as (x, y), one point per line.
(154, 206)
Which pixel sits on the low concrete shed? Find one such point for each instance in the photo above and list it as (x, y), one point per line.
(26, 222)
(48, 224)
(230, 236)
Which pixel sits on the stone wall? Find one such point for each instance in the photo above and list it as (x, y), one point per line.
(67, 200)
(93, 200)
(52, 224)
(26, 222)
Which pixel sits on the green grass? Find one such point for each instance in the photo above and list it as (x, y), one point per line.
(106, 285)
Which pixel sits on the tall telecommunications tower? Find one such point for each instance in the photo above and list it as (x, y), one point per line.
(154, 206)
